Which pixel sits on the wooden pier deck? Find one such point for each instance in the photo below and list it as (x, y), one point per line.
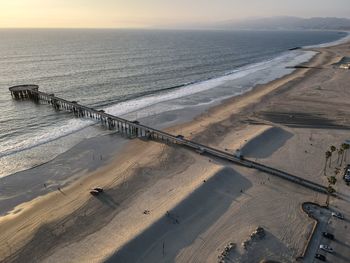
(133, 129)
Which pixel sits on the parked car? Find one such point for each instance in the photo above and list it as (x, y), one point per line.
(326, 248)
(98, 189)
(347, 178)
(328, 235)
(347, 171)
(338, 215)
(320, 257)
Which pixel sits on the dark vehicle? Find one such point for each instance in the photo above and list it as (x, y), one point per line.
(98, 189)
(320, 257)
(346, 176)
(347, 179)
(180, 136)
(328, 235)
(338, 215)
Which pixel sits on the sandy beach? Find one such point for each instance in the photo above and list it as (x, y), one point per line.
(164, 203)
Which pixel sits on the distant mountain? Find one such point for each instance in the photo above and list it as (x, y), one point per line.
(287, 23)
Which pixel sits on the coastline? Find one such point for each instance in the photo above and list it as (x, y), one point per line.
(167, 108)
(217, 123)
(15, 158)
(161, 121)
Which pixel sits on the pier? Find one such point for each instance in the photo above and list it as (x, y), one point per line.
(133, 129)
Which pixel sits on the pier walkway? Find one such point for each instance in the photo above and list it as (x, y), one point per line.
(133, 129)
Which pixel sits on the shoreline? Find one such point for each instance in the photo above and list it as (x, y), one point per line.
(196, 129)
(199, 110)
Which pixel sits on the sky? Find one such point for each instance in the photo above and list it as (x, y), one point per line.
(155, 13)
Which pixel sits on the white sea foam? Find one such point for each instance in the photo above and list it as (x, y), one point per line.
(342, 40)
(275, 66)
(12, 146)
(279, 64)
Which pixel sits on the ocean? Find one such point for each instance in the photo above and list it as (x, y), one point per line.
(146, 75)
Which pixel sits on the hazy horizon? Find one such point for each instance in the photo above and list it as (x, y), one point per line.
(155, 13)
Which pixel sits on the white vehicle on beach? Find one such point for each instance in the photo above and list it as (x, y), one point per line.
(326, 248)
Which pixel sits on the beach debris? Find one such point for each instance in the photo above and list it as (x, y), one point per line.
(294, 48)
(258, 233)
(60, 190)
(226, 252)
(246, 244)
(146, 212)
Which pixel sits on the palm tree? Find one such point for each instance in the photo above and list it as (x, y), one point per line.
(336, 171)
(340, 153)
(332, 150)
(332, 180)
(330, 190)
(328, 155)
(325, 164)
(345, 147)
(330, 159)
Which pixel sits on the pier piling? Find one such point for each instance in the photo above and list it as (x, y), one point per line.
(133, 129)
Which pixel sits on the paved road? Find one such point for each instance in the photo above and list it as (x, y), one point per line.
(322, 215)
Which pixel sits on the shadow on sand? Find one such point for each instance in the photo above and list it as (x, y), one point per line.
(181, 226)
(107, 200)
(266, 143)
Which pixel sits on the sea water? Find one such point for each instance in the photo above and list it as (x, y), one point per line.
(148, 75)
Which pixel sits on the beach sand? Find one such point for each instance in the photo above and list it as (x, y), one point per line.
(163, 203)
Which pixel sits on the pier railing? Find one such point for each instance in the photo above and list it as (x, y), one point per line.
(134, 129)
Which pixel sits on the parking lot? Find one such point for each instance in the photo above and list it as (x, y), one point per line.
(330, 224)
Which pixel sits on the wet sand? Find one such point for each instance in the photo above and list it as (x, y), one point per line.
(164, 204)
